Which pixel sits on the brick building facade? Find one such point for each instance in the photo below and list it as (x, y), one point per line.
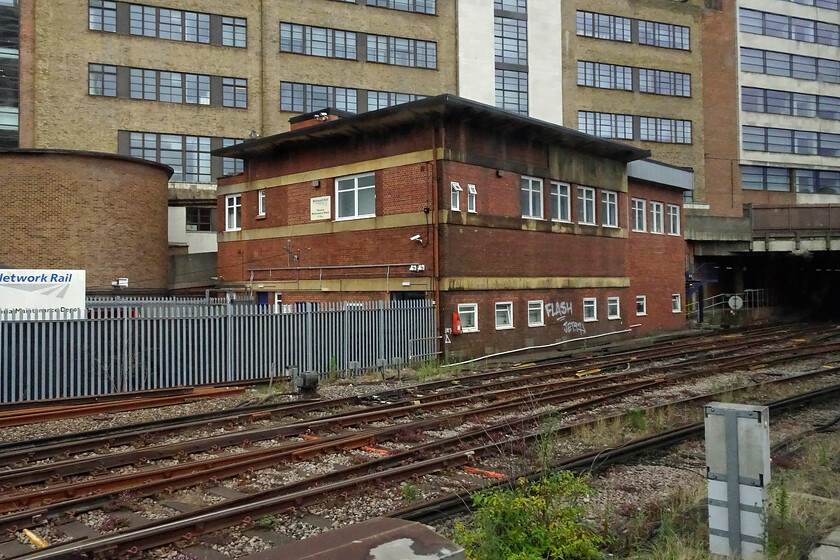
(80, 210)
(521, 227)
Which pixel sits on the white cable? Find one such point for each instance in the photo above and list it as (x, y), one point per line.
(487, 357)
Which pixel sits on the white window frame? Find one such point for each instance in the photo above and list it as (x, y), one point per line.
(526, 185)
(536, 305)
(643, 301)
(278, 302)
(261, 202)
(456, 197)
(590, 304)
(233, 212)
(639, 207)
(471, 194)
(503, 305)
(355, 190)
(657, 224)
(586, 206)
(676, 303)
(469, 308)
(673, 219)
(609, 209)
(560, 201)
(613, 302)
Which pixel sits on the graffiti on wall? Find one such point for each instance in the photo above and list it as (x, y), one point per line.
(561, 312)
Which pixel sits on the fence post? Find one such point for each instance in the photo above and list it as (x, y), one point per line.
(310, 339)
(381, 317)
(229, 336)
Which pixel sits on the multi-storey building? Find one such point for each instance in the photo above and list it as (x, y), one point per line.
(772, 104)
(624, 70)
(171, 80)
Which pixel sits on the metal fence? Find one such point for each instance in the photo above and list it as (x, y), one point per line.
(748, 299)
(135, 345)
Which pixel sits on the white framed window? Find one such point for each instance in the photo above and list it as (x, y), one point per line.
(656, 225)
(561, 202)
(613, 308)
(641, 305)
(456, 196)
(504, 315)
(586, 205)
(468, 312)
(278, 302)
(590, 309)
(609, 208)
(261, 202)
(535, 313)
(531, 192)
(676, 303)
(355, 197)
(639, 215)
(233, 213)
(673, 219)
(471, 194)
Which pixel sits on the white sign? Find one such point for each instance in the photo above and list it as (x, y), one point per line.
(736, 302)
(43, 291)
(319, 208)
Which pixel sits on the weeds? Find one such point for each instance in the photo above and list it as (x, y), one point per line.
(409, 491)
(266, 523)
(637, 419)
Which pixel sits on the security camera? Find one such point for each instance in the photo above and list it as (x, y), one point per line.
(415, 238)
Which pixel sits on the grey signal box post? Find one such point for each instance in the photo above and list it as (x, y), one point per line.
(738, 472)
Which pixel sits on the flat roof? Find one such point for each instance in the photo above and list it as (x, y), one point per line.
(440, 106)
(659, 173)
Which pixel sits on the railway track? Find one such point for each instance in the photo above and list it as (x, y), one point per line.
(490, 399)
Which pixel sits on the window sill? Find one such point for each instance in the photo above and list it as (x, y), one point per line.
(591, 320)
(348, 218)
(561, 221)
(641, 314)
(259, 217)
(539, 219)
(614, 318)
(674, 235)
(498, 328)
(639, 230)
(593, 224)
(658, 232)
(536, 324)
(609, 226)
(677, 311)
(233, 229)
(468, 331)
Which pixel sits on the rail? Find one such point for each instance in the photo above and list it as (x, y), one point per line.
(749, 299)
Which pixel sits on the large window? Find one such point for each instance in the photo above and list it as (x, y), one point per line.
(468, 312)
(561, 202)
(656, 217)
(419, 6)
(606, 125)
(531, 194)
(788, 27)
(102, 80)
(233, 212)
(189, 156)
(401, 51)
(355, 197)
(102, 16)
(786, 141)
(586, 205)
(512, 90)
(673, 131)
(664, 35)
(511, 40)
(178, 87)
(606, 76)
(304, 98)
(504, 315)
(603, 26)
(609, 208)
(664, 82)
(639, 215)
(317, 41)
(790, 65)
(234, 32)
(235, 92)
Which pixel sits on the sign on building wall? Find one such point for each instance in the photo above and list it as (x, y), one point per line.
(42, 291)
(319, 208)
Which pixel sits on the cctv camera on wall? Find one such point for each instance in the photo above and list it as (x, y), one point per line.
(415, 238)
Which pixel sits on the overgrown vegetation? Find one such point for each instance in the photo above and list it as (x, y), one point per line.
(409, 491)
(543, 520)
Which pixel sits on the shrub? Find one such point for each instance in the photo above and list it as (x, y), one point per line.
(543, 520)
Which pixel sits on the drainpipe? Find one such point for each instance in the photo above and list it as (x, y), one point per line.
(436, 188)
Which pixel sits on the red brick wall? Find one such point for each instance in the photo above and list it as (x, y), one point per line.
(72, 211)
(562, 317)
(656, 264)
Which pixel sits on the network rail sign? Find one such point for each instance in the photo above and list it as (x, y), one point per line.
(39, 294)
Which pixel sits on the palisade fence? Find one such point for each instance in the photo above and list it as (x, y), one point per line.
(135, 345)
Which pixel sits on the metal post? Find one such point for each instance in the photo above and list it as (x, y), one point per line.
(738, 471)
